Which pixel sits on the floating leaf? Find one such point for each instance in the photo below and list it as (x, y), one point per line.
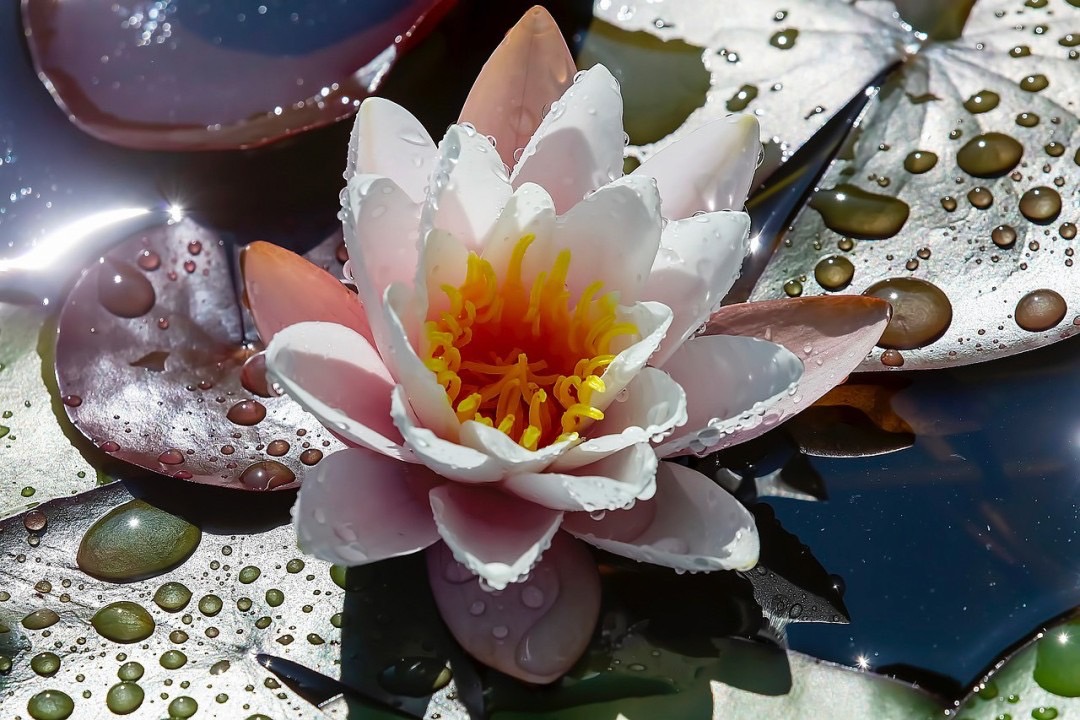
(792, 64)
(963, 186)
(184, 76)
(246, 592)
(149, 357)
(39, 460)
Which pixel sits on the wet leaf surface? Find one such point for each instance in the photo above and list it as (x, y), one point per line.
(198, 76)
(149, 354)
(249, 591)
(770, 58)
(39, 460)
(974, 140)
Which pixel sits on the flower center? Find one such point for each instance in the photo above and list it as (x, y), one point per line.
(519, 358)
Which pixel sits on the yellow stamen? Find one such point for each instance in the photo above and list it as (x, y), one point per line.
(521, 359)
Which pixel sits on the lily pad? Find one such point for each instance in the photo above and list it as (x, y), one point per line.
(150, 351)
(203, 76)
(791, 64)
(210, 642)
(973, 139)
(39, 460)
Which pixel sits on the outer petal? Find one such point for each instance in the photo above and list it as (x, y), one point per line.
(710, 169)
(449, 459)
(468, 187)
(613, 483)
(534, 630)
(530, 69)
(426, 396)
(334, 373)
(579, 144)
(283, 289)
(832, 333)
(358, 507)
(697, 526)
(699, 259)
(653, 406)
(612, 235)
(731, 382)
(495, 535)
(387, 140)
(380, 223)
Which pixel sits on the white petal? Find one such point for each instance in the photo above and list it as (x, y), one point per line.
(613, 483)
(653, 406)
(652, 321)
(468, 187)
(512, 457)
(387, 140)
(425, 395)
(730, 382)
(497, 536)
(709, 169)
(699, 260)
(529, 211)
(443, 261)
(357, 507)
(612, 235)
(695, 526)
(380, 224)
(579, 144)
(333, 372)
(446, 458)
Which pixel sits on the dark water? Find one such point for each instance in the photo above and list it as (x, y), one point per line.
(951, 550)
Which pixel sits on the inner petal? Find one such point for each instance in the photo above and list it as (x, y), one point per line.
(524, 356)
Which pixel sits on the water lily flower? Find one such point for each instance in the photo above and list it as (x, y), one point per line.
(523, 356)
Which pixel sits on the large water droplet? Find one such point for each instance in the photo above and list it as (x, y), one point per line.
(834, 272)
(1034, 83)
(982, 101)
(247, 412)
(50, 705)
(172, 597)
(124, 698)
(920, 161)
(852, 211)
(266, 475)
(785, 39)
(921, 312)
(1004, 236)
(989, 155)
(123, 622)
(135, 541)
(123, 290)
(1041, 205)
(40, 619)
(1057, 663)
(1040, 310)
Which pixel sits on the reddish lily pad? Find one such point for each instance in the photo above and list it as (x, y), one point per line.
(211, 76)
(149, 354)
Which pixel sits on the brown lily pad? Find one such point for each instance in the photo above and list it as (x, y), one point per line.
(150, 348)
(212, 76)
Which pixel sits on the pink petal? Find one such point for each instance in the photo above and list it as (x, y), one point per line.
(653, 406)
(530, 69)
(699, 259)
(444, 457)
(496, 536)
(731, 383)
(832, 334)
(613, 236)
(334, 373)
(468, 188)
(696, 526)
(579, 144)
(426, 397)
(358, 507)
(387, 140)
(283, 288)
(534, 630)
(528, 211)
(502, 449)
(612, 483)
(381, 232)
(710, 169)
